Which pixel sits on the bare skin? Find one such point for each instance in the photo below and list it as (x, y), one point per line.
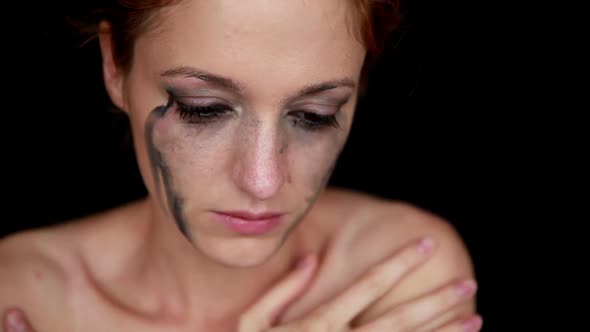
(127, 295)
(282, 78)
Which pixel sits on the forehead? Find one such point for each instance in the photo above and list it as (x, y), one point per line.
(281, 38)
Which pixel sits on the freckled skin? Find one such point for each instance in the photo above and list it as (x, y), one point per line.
(261, 156)
(173, 201)
(133, 268)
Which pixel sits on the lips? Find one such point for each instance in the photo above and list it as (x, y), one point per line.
(249, 223)
(250, 216)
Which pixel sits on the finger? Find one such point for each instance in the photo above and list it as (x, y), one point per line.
(471, 324)
(265, 311)
(415, 313)
(16, 321)
(376, 283)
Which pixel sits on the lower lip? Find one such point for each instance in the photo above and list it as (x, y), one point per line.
(248, 227)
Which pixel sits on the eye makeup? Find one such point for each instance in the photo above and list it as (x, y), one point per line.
(312, 121)
(207, 110)
(199, 110)
(319, 112)
(161, 171)
(175, 147)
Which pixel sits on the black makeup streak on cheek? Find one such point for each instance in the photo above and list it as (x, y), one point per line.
(159, 167)
(310, 201)
(283, 148)
(322, 185)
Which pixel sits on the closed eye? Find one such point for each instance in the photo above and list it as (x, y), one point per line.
(201, 114)
(313, 121)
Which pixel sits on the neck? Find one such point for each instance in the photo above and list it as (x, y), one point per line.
(193, 283)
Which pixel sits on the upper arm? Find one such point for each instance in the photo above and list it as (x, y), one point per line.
(32, 282)
(450, 262)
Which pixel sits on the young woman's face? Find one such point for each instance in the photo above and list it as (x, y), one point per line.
(239, 110)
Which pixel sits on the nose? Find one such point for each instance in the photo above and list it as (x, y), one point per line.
(260, 168)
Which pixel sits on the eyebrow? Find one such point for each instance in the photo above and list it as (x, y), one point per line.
(219, 81)
(238, 88)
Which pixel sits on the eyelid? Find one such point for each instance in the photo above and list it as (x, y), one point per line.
(329, 106)
(198, 97)
(326, 110)
(201, 102)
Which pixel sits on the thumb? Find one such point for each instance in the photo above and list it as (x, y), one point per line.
(264, 313)
(14, 320)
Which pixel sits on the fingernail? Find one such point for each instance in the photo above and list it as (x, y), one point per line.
(16, 321)
(466, 288)
(472, 324)
(425, 245)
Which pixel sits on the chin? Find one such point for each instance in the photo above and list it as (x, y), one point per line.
(240, 252)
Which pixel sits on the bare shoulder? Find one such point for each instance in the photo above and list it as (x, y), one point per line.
(384, 228)
(42, 270)
(33, 278)
(364, 231)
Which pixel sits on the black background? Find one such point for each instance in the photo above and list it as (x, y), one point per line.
(445, 125)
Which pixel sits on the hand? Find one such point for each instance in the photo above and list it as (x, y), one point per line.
(338, 314)
(14, 320)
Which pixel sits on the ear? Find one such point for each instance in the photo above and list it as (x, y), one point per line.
(113, 77)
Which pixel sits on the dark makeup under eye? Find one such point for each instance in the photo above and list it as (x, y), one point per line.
(208, 110)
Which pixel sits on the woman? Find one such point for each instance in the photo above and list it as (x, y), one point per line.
(239, 111)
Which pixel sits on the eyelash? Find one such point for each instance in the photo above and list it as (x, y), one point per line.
(313, 121)
(210, 113)
(201, 114)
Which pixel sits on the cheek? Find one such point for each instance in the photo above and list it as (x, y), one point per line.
(192, 154)
(199, 158)
(140, 100)
(312, 159)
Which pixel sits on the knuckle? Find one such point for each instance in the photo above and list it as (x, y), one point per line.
(244, 323)
(313, 324)
(400, 265)
(321, 313)
(409, 258)
(401, 319)
(249, 322)
(323, 319)
(448, 297)
(330, 324)
(375, 282)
